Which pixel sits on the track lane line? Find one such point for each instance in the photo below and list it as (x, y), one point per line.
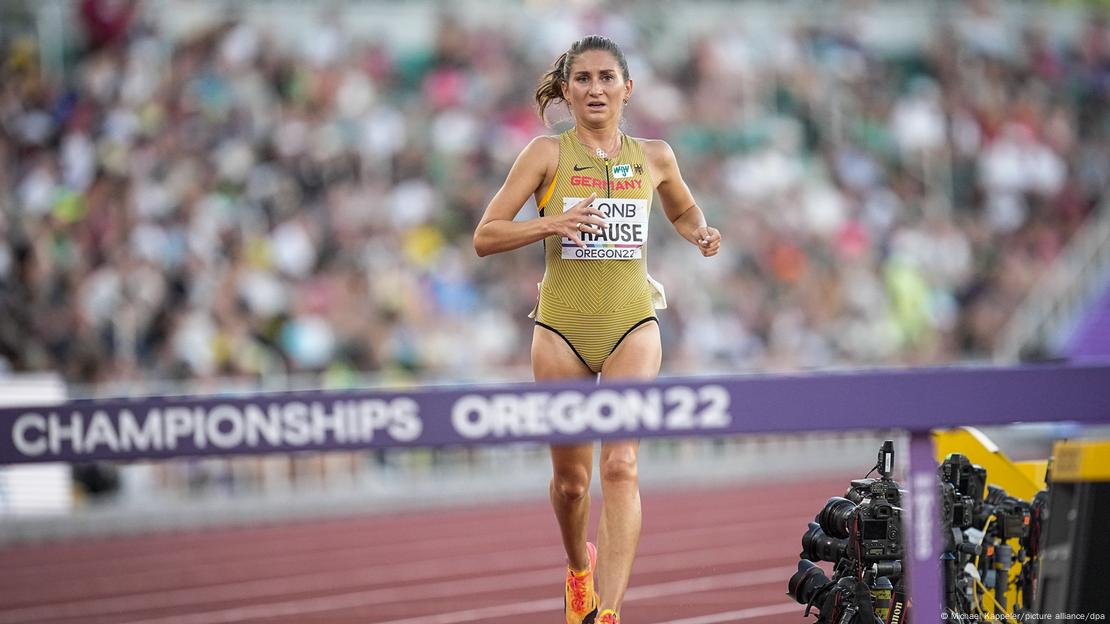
(700, 506)
(657, 542)
(681, 559)
(355, 600)
(738, 615)
(308, 537)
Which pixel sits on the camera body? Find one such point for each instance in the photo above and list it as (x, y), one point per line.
(957, 509)
(880, 531)
(875, 489)
(969, 479)
(1012, 515)
(872, 528)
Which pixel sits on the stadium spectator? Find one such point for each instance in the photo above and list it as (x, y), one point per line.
(230, 204)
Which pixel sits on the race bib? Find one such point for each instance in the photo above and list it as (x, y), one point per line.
(625, 231)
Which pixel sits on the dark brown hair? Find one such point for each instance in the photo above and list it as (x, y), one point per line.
(550, 89)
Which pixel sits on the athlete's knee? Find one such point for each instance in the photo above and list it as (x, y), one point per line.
(571, 485)
(619, 466)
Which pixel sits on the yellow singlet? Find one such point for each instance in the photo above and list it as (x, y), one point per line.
(593, 298)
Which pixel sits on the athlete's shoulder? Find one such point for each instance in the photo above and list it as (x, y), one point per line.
(544, 143)
(655, 148)
(659, 153)
(541, 149)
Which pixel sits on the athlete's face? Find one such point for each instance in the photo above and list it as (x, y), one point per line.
(596, 89)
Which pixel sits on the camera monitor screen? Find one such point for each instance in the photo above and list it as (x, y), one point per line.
(874, 529)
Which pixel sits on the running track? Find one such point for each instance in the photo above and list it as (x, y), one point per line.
(706, 556)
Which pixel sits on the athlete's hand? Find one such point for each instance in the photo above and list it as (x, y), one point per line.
(708, 240)
(581, 217)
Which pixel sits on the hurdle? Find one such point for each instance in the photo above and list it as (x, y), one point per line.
(913, 401)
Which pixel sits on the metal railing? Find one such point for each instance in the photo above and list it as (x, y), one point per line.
(1050, 308)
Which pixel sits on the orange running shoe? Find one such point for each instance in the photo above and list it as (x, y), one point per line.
(580, 599)
(608, 616)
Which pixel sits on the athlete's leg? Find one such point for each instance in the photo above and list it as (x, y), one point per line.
(618, 532)
(571, 465)
(638, 356)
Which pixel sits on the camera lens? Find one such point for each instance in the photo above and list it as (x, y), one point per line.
(889, 569)
(816, 546)
(806, 581)
(997, 496)
(836, 517)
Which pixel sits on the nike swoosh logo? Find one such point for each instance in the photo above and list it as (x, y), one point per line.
(577, 168)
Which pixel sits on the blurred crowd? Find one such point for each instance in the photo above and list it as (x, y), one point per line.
(232, 203)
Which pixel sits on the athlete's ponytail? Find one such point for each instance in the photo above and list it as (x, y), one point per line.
(550, 89)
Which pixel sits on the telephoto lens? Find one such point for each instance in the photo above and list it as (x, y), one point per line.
(816, 546)
(806, 582)
(836, 517)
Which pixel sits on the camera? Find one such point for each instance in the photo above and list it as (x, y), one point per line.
(848, 599)
(872, 527)
(868, 516)
(990, 548)
(1011, 514)
(861, 533)
(969, 479)
(957, 510)
(989, 535)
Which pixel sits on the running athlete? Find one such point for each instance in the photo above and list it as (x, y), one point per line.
(596, 313)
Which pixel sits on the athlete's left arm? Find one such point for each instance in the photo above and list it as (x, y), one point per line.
(678, 203)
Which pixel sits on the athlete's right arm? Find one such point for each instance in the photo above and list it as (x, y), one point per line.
(498, 232)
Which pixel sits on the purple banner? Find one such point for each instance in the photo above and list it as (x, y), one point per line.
(914, 400)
